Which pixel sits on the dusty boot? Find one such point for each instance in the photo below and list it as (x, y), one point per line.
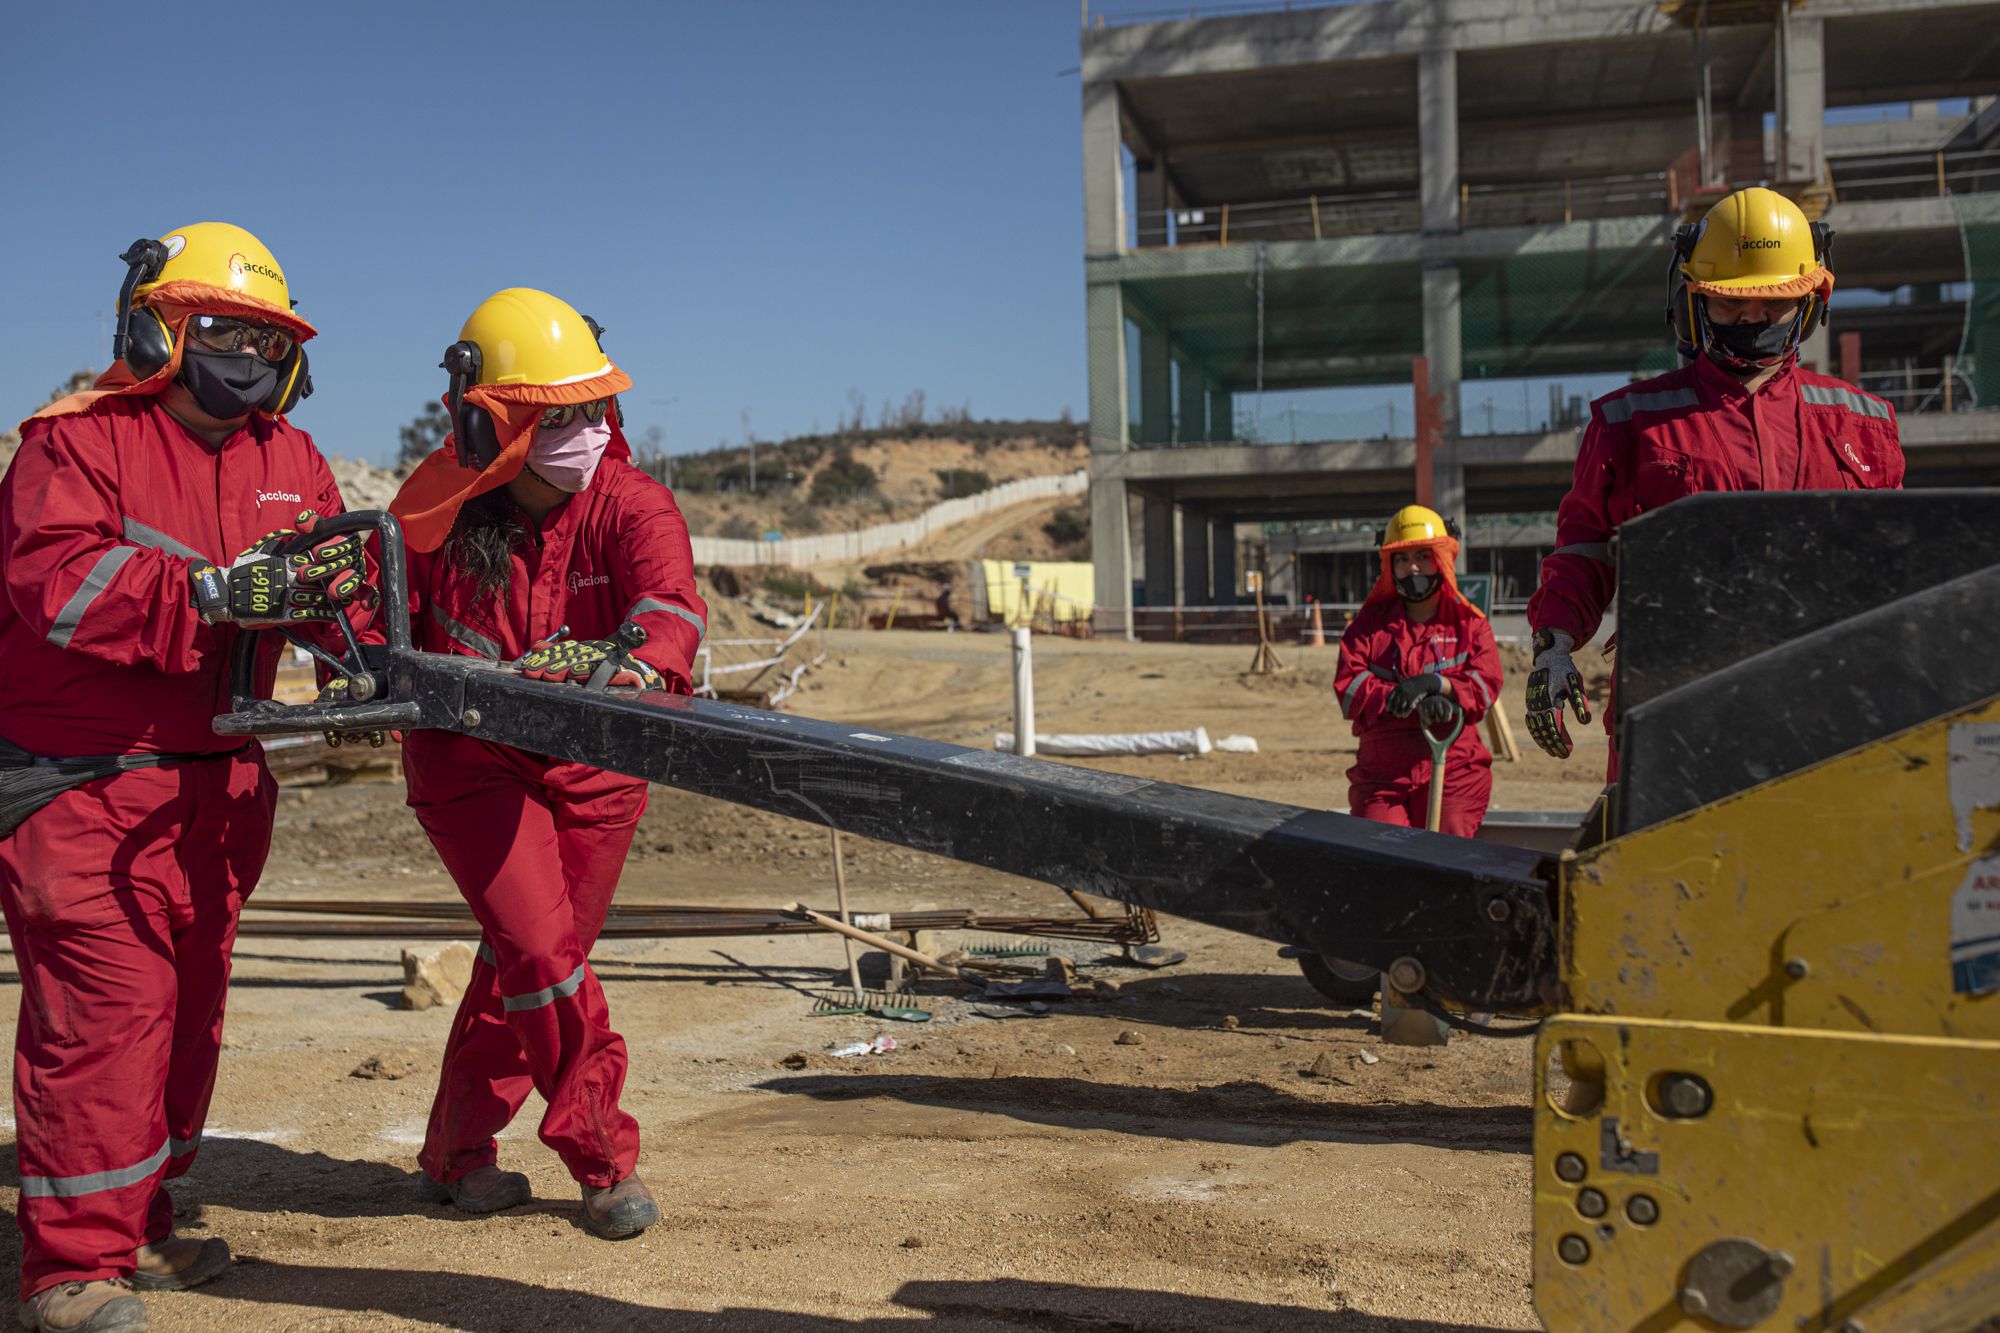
(484, 1189)
(617, 1211)
(177, 1263)
(104, 1306)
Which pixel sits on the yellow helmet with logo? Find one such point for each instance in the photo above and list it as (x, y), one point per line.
(1757, 245)
(526, 336)
(1416, 525)
(219, 255)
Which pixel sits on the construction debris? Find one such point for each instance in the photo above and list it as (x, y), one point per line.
(437, 977)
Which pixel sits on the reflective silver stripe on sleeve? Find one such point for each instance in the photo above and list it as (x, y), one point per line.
(514, 1004)
(1353, 688)
(92, 587)
(645, 604)
(1828, 395)
(477, 642)
(1666, 400)
(71, 1187)
(138, 532)
(485, 954)
(1598, 551)
(1485, 693)
(1448, 663)
(182, 1147)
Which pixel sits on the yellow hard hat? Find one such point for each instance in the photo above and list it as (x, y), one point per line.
(224, 256)
(1414, 525)
(1756, 244)
(526, 336)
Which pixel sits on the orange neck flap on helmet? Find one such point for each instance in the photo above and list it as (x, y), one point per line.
(428, 503)
(175, 302)
(1443, 549)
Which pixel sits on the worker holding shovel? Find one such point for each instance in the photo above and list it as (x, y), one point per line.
(1418, 669)
(536, 544)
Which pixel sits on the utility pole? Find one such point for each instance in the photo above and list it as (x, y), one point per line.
(750, 440)
(666, 456)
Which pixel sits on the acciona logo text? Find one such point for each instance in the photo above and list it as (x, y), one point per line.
(578, 582)
(265, 497)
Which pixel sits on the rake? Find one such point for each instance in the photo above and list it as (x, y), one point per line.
(855, 1000)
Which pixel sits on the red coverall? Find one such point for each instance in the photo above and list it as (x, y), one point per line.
(1696, 429)
(536, 844)
(121, 896)
(1391, 778)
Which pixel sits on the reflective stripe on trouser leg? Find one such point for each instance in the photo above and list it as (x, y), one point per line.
(108, 1089)
(557, 1031)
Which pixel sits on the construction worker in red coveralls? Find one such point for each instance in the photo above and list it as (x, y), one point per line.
(534, 540)
(126, 863)
(1746, 285)
(1416, 649)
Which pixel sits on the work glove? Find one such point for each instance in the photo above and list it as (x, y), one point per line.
(260, 587)
(593, 662)
(1435, 710)
(336, 691)
(1553, 683)
(1411, 690)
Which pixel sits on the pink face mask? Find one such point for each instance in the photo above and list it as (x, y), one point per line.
(567, 456)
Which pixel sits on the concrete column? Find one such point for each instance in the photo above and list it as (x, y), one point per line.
(1151, 205)
(1110, 408)
(1159, 552)
(1437, 137)
(1442, 320)
(1110, 555)
(1800, 50)
(1156, 386)
(1222, 552)
(1221, 414)
(1194, 558)
(1191, 421)
(1103, 170)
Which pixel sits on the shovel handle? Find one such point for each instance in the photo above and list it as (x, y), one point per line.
(884, 943)
(1440, 747)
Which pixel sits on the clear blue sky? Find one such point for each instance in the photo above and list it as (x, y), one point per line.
(766, 204)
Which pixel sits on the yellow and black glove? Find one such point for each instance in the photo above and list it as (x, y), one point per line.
(337, 691)
(261, 587)
(593, 662)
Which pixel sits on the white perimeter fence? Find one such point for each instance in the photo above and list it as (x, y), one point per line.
(836, 547)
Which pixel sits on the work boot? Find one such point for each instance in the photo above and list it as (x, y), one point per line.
(104, 1306)
(617, 1211)
(483, 1189)
(177, 1263)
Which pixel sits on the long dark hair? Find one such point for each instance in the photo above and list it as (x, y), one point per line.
(484, 536)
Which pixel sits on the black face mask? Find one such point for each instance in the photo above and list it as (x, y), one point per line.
(228, 385)
(1414, 587)
(1749, 346)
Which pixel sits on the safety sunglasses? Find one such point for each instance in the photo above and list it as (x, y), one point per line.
(593, 412)
(219, 333)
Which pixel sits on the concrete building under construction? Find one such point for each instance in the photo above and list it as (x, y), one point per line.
(1299, 202)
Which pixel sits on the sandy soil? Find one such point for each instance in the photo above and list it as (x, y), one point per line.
(1028, 1173)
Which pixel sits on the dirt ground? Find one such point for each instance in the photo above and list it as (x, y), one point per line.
(1154, 1157)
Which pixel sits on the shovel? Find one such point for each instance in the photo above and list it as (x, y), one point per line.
(1402, 1023)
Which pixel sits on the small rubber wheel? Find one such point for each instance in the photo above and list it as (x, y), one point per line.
(1342, 982)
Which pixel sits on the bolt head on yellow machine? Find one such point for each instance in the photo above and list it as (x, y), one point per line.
(527, 336)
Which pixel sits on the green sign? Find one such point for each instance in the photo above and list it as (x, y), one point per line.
(1478, 589)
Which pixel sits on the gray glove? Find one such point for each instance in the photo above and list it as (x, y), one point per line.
(1553, 683)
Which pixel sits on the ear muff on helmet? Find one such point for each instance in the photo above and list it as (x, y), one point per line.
(1682, 316)
(471, 425)
(597, 332)
(144, 259)
(294, 385)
